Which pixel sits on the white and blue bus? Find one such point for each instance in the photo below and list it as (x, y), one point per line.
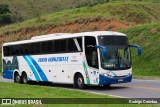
(87, 58)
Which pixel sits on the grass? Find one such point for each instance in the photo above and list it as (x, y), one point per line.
(128, 12)
(12, 90)
(23, 10)
(26, 91)
(148, 37)
(26, 9)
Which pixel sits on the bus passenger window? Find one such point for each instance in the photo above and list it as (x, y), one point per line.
(24, 49)
(15, 50)
(47, 47)
(60, 46)
(71, 46)
(6, 50)
(35, 48)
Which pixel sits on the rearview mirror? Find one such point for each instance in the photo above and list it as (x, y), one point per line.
(104, 50)
(139, 50)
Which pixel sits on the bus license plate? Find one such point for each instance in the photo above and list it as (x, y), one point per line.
(120, 80)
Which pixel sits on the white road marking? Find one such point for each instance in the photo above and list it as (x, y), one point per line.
(89, 91)
(116, 96)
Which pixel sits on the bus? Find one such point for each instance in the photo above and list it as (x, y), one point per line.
(88, 58)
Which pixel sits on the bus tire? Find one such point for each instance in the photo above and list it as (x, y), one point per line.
(17, 78)
(79, 82)
(24, 78)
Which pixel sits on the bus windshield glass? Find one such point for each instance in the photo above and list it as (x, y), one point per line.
(118, 53)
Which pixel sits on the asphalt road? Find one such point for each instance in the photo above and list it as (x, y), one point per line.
(136, 89)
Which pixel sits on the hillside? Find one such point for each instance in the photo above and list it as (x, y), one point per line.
(99, 17)
(148, 37)
(108, 16)
(26, 9)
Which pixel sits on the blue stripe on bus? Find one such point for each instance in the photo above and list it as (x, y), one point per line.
(32, 68)
(39, 70)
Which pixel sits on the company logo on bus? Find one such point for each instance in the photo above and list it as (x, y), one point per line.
(54, 59)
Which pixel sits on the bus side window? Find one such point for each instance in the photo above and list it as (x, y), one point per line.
(91, 52)
(24, 49)
(60, 46)
(27, 49)
(35, 48)
(43, 47)
(80, 43)
(15, 50)
(47, 47)
(6, 50)
(71, 46)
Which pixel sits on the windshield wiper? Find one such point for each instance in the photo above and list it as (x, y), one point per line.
(120, 58)
(123, 61)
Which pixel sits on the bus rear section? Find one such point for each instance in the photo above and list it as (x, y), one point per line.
(9, 64)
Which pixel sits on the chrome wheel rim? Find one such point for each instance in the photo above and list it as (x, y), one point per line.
(25, 80)
(17, 78)
(80, 81)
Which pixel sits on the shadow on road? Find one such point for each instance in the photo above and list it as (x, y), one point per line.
(69, 86)
(114, 87)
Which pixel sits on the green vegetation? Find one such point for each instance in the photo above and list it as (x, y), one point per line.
(0, 64)
(23, 10)
(5, 15)
(148, 37)
(135, 0)
(35, 91)
(10, 90)
(130, 12)
(26, 9)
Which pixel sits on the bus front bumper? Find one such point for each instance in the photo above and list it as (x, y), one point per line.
(103, 80)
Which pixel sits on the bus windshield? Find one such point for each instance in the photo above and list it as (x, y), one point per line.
(118, 53)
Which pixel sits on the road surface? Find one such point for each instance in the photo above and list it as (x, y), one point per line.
(136, 89)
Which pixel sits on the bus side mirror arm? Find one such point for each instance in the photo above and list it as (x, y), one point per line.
(139, 50)
(104, 50)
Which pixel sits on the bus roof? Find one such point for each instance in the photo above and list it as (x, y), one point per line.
(65, 35)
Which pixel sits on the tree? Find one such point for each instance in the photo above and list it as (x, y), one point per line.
(4, 9)
(5, 14)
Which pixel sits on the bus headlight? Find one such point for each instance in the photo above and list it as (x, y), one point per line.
(108, 75)
(129, 74)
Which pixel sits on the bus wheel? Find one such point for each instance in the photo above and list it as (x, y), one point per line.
(79, 82)
(17, 78)
(24, 78)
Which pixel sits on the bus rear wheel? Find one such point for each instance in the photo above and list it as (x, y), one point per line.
(24, 78)
(79, 82)
(17, 78)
